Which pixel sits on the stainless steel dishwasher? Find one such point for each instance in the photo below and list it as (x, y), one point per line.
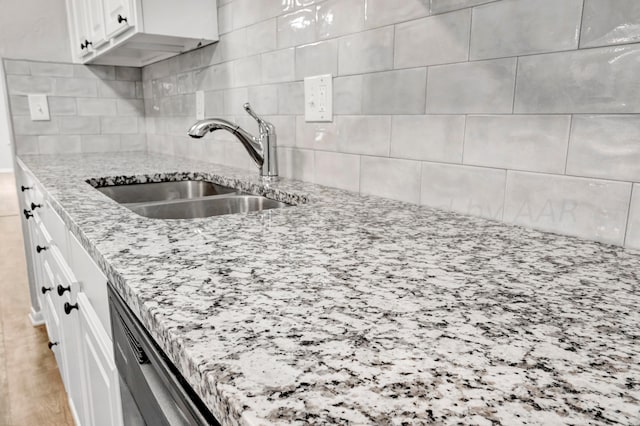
(152, 390)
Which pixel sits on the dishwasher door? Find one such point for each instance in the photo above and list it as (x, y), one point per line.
(153, 391)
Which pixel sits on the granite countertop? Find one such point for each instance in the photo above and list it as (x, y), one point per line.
(361, 310)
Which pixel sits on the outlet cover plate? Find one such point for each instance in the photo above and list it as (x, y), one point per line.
(318, 98)
(39, 107)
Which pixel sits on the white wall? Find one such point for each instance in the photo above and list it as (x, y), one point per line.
(29, 29)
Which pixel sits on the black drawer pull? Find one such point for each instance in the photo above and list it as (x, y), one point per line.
(40, 248)
(25, 188)
(35, 206)
(68, 307)
(45, 289)
(52, 344)
(122, 19)
(62, 289)
(27, 213)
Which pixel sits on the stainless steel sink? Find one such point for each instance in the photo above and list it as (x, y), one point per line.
(205, 207)
(163, 191)
(186, 199)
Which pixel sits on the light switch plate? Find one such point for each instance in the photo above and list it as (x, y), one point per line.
(39, 107)
(199, 105)
(318, 98)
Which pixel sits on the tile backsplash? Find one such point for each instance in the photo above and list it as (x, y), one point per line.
(92, 108)
(517, 110)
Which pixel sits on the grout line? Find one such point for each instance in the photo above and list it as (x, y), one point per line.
(464, 137)
(580, 24)
(515, 86)
(470, 32)
(628, 221)
(566, 157)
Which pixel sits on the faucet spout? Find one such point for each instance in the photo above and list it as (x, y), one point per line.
(253, 146)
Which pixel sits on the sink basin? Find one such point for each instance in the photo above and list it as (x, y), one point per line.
(163, 191)
(205, 207)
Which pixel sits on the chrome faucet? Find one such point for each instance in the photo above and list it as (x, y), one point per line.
(261, 149)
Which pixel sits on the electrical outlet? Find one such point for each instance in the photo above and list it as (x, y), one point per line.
(318, 98)
(39, 107)
(199, 105)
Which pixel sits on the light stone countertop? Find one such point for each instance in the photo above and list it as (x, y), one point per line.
(361, 310)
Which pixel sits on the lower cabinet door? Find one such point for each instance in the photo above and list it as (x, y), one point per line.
(103, 391)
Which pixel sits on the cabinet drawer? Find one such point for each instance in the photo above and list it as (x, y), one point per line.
(54, 226)
(92, 281)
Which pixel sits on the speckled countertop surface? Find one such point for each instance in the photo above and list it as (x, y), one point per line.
(361, 310)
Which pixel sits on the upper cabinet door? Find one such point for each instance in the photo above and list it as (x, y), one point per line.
(81, 27)
(118, 16)
(95, 21)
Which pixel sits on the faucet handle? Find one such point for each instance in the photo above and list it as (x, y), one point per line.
(252, 113)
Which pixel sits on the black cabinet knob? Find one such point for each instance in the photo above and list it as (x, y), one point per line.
(35, 206)
(52, 344)
(25, 188)
(68, 307)
(40, 248)
(85, 44)
(122, 19)
(45, 289)
(27, 213)
(62, 289)
(82, 46)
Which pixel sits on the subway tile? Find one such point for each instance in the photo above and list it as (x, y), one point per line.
(211, 54)
(22, 125)
(100, 143)
(474, 87)
(233, 45)
(214, 77)
(296, 163)
(184, 83)
(234, 100)
(337, 170)
(134, 74)
(264, 99)
(368, 135)
(587, 208)
(523, 27)
(119, 125)
(261, 37)
(136, 106)
(605, 147)
(347, 95)
(475, 191)
(291, 98)
(188, 61)
(247, 71)
(395, 92)
(522, 142)
(440, 39)
(592, 81)
(285, 127)
(24, 84)
(441, 6)
(368, 51)
(26, 144)
(225, 18)
(134, 142)
(214, 103)
(339, 17)
(606, 23)
(247, 12)
(390, 178)
(385, 12)
(632, 239)
(79, 125)
(59, 144)
(19, 105)
(100, 72)
(167, 86)
(62, 106)
(317, 58)
(75, 87)
(297, 28)
(428, 137)
(51, 69)
(315, 135)
(13, 67)
(278, 66)
(96, 106)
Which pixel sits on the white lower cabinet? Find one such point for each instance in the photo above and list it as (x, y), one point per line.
(72, 295)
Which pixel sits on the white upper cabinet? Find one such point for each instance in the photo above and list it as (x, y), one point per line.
(117, 15)
(139, 32)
